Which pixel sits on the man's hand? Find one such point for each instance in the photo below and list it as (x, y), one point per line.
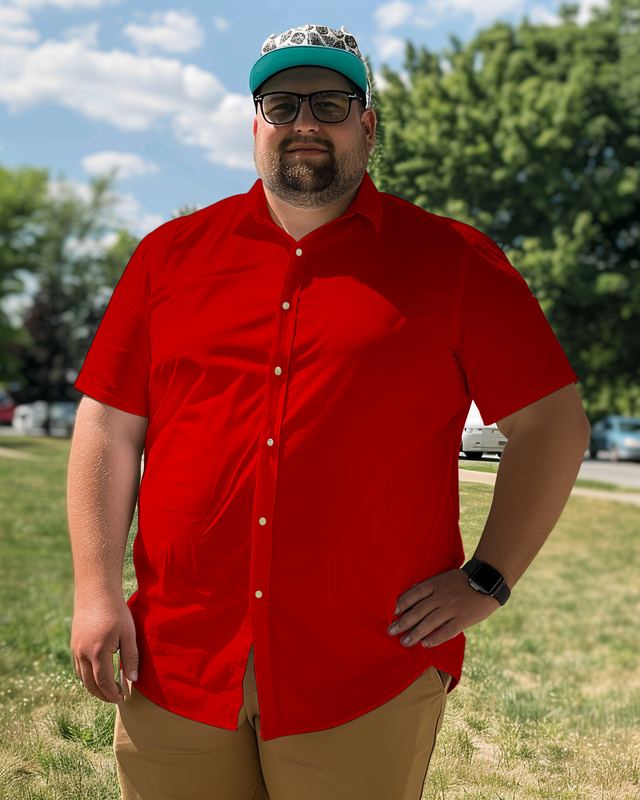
(445, 600)
(102, 624)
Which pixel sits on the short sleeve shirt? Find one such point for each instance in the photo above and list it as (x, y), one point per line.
(306, 403)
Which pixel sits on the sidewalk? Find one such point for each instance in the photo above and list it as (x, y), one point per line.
(490, 477)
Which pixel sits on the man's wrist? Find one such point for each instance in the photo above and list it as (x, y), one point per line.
(486, 579)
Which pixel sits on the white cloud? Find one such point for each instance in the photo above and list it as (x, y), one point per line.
(445, 65)
(127, 165)
(393, 14)
(585, 14)
(129, 91)
(540, 15)
(390, 46)
(433, 12)
(380, 82)
(173, 31)
(225, 132)
(14, 26)
(478, 13)
(65, 5)
(402, 74)
(125, 211)
(221, 24)
(87, 34)
(132, 93)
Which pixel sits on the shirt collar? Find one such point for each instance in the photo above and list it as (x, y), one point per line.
(366, 202)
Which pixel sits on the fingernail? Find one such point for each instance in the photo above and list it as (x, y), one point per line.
(134, 676)
(397, 611)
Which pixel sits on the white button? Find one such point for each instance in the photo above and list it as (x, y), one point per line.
(263, 521)
(269, 442)
(298, 252)
(285, 305)
(277, 370)
(258, 593)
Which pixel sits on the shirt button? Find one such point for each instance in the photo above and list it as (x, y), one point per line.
(277, 370)
(258, 593)
(269, 442)
(298, 252)
(263, 521)
(285, 305)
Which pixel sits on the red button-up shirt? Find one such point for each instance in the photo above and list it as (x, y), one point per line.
(306, 403)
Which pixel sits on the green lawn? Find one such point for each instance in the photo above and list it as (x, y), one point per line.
(548, 706)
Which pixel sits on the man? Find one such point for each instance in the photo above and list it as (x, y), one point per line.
(298, 363)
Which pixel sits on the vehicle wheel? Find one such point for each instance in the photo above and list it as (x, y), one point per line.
(473, 456)
(614, 454)
(593, 452)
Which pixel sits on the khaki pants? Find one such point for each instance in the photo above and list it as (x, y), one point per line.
(381, 755)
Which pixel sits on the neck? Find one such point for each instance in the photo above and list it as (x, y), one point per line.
(299, 222)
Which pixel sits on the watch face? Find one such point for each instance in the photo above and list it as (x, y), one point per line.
(487, 577)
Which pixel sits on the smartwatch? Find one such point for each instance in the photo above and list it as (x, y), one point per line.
(487, 580)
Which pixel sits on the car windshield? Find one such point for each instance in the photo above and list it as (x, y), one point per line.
(629, 426)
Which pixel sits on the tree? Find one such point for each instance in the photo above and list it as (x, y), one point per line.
(76, 277)
(531, 135)
(22, 194)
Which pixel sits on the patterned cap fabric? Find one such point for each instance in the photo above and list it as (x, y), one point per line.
(312, 45)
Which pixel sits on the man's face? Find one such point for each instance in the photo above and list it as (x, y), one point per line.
(312, 180)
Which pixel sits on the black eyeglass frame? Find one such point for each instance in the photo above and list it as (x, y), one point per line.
(301, 97)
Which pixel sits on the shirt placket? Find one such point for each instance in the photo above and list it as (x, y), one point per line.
(267, 470)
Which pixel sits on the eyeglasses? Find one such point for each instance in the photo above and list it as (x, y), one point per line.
(281, 108)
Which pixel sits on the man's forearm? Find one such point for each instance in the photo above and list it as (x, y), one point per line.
(102, 490)
(538, 469)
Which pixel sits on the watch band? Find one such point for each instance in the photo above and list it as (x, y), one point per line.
(487, 580)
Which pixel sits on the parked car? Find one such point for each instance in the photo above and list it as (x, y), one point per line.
(617, 435)
(7, 407)
(30, 418)
(62, 418)
(478, 438)
(41, 418)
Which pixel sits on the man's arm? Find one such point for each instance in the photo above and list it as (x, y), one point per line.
(538, 469)
(102, 488)
(541, 460)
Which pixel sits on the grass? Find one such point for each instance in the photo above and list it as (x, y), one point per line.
(548, 706)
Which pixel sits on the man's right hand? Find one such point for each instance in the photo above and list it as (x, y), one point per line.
(102, 624)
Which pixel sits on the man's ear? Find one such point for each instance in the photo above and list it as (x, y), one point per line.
(255, 125)
(370, 124)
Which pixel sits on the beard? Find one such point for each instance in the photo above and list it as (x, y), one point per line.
(311, 182)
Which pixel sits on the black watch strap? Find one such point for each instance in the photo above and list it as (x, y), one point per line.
(487, 580)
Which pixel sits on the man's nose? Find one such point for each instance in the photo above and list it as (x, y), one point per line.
(305, 119)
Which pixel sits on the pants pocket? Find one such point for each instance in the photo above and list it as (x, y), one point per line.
(445, 678)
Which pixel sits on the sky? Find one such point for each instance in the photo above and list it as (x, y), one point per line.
(161, 92)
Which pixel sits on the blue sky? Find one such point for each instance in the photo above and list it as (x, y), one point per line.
(161, 91)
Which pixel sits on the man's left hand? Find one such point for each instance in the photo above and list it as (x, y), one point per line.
(445, 600)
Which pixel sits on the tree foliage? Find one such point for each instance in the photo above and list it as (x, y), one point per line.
(532, 135)
(54, 234)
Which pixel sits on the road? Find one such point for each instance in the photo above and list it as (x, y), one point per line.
(623, 473)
